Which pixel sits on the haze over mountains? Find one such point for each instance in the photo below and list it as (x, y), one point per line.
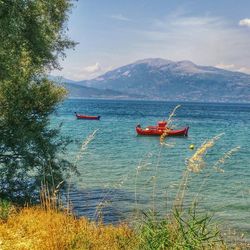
(159, 79)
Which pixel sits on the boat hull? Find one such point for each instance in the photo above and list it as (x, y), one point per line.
(88, 117)
(159, 132)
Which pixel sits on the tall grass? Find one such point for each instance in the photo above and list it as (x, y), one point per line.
(185, 227)
(169, 125)
(179, 231)
(83, 148)
(194, 164)
(182, 228)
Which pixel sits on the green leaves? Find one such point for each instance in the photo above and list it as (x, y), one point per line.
(189, 230)
(32, 38)
(154, 233)
(196, 231)
(5, 209)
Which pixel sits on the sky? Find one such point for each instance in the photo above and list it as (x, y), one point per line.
(113, 33)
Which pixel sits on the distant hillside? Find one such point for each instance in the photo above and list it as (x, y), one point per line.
(167, 80)
(60, 79)
(78, 91)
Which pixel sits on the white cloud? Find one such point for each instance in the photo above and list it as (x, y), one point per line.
(233, 67)
(195, 21)
(92, 68)
(78, 73)
(245, 22)
(226, 66)
(244, 70)
(120, 17)
(205, 40)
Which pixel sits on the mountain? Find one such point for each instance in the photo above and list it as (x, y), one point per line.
(60, 79)
(161, 79)
(78, 91)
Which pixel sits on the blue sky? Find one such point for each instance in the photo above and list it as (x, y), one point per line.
(113, 33)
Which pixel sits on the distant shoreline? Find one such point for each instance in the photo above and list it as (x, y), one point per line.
(155, 100)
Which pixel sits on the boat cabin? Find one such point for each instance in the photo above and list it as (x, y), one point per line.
(162, 124)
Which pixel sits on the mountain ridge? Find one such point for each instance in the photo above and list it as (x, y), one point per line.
(160, 79)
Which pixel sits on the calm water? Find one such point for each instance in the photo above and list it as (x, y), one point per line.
(108, 166)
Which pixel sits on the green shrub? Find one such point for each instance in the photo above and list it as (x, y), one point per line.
(179, 231)
(5, 208)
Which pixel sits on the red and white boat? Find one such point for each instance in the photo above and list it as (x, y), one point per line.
(87, 117)
(160, 129)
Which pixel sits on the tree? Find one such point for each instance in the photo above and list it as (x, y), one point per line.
(32, 35)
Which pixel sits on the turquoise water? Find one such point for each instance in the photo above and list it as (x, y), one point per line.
(109, 165)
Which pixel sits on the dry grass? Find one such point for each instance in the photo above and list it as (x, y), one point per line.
(169, 125)
(196, 163)
(35, 228)
(225, 156)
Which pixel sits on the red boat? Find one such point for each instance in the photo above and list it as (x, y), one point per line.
(160, 129)
(87, 117)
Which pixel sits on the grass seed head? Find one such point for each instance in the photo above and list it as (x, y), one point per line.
(196, 163)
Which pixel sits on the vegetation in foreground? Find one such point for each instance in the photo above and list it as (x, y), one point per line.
(44, 228)
(39, 228)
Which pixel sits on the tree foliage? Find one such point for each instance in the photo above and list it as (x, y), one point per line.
(32, 35)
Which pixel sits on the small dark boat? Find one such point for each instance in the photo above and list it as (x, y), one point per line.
(87, 117)
(160, 129)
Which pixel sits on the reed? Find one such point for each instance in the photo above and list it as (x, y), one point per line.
(143, 164)
(51, 199)
(223, 159)
(196, 163)
(169, 125)
(186, 227)
(83, 148)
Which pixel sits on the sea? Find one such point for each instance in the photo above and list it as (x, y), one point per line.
(121, 173)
